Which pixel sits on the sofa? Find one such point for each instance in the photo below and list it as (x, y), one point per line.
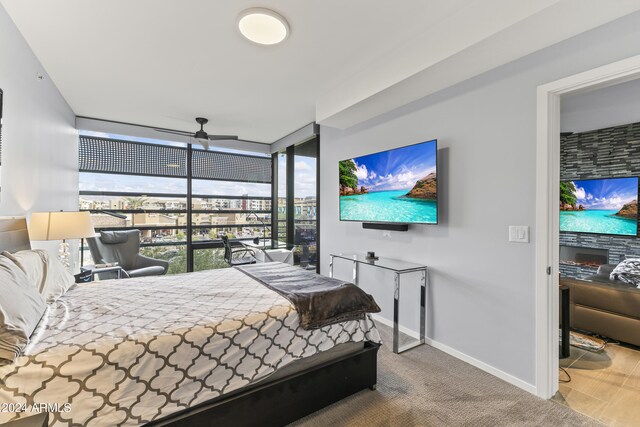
(606, 307)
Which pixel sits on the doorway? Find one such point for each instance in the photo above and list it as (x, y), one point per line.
(547, 208)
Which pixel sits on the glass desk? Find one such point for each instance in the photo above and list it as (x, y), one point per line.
(398, 268)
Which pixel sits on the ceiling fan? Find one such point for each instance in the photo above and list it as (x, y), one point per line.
(201, 136)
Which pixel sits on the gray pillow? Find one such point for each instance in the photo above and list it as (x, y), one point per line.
(21, 308)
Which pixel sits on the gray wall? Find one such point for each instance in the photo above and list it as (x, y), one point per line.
(481, 298)
(39, 140)
(604, 153)
(612, 106)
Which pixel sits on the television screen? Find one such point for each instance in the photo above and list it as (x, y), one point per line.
(603, 206)
(397, 185)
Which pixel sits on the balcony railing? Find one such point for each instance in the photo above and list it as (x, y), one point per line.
(207, 251)
(159, 244)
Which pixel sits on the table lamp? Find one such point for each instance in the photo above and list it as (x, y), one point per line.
(61, 226)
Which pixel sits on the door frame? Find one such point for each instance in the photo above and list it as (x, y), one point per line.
(547, 207)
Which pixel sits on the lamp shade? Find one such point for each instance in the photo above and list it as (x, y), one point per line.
(60, 226)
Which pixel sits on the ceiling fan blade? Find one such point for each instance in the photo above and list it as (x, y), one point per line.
(222, 137)
(175, 132)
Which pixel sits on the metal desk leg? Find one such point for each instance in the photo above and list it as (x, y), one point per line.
(396, 303)
(355, 273)
(423, 303)
(330, 265)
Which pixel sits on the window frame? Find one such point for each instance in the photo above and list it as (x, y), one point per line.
(189, 212)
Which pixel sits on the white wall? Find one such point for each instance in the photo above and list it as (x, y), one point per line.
(612, 106)
(39, 140)
(481, 299)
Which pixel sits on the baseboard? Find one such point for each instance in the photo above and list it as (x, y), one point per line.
(389, 323)
(464, 357)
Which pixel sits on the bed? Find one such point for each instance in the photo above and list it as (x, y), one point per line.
(207, 348)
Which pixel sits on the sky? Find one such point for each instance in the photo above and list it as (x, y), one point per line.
(606, 193)
(152, 184)
(305, 178)
(397, 169)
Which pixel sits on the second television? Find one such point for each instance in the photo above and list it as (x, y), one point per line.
(393, 186)
(601, 206)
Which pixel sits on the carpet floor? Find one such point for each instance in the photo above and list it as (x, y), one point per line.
(426, 387)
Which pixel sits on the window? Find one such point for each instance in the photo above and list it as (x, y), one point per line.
(128, 184)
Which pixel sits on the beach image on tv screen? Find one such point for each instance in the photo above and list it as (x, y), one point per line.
(605, 206)
(398, 185)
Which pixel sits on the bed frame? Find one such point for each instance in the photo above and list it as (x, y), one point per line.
(269, 404)
(285, 400)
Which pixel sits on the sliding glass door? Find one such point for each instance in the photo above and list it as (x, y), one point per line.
(280, 197)
(297, 202)
(305, 192)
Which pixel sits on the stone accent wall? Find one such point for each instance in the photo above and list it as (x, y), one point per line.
(618, 246)
(604, 153)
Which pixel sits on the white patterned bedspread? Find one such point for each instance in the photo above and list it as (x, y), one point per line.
(125, 352)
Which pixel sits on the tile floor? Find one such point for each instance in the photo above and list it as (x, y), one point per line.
(604, 385)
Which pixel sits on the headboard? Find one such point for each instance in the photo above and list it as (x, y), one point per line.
(14, 235)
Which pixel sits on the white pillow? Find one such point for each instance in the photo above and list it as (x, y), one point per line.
(44, 271)
(21, 308)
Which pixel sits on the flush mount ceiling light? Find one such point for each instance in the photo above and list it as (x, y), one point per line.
(263, 26)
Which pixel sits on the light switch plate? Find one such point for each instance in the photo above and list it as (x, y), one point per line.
(519, 233)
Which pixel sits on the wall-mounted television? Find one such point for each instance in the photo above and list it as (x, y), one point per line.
(602, 206)
(393, 186)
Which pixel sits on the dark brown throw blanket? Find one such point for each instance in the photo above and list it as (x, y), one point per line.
(319, 300)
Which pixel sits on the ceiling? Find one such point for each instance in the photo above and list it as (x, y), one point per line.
(163, 62)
